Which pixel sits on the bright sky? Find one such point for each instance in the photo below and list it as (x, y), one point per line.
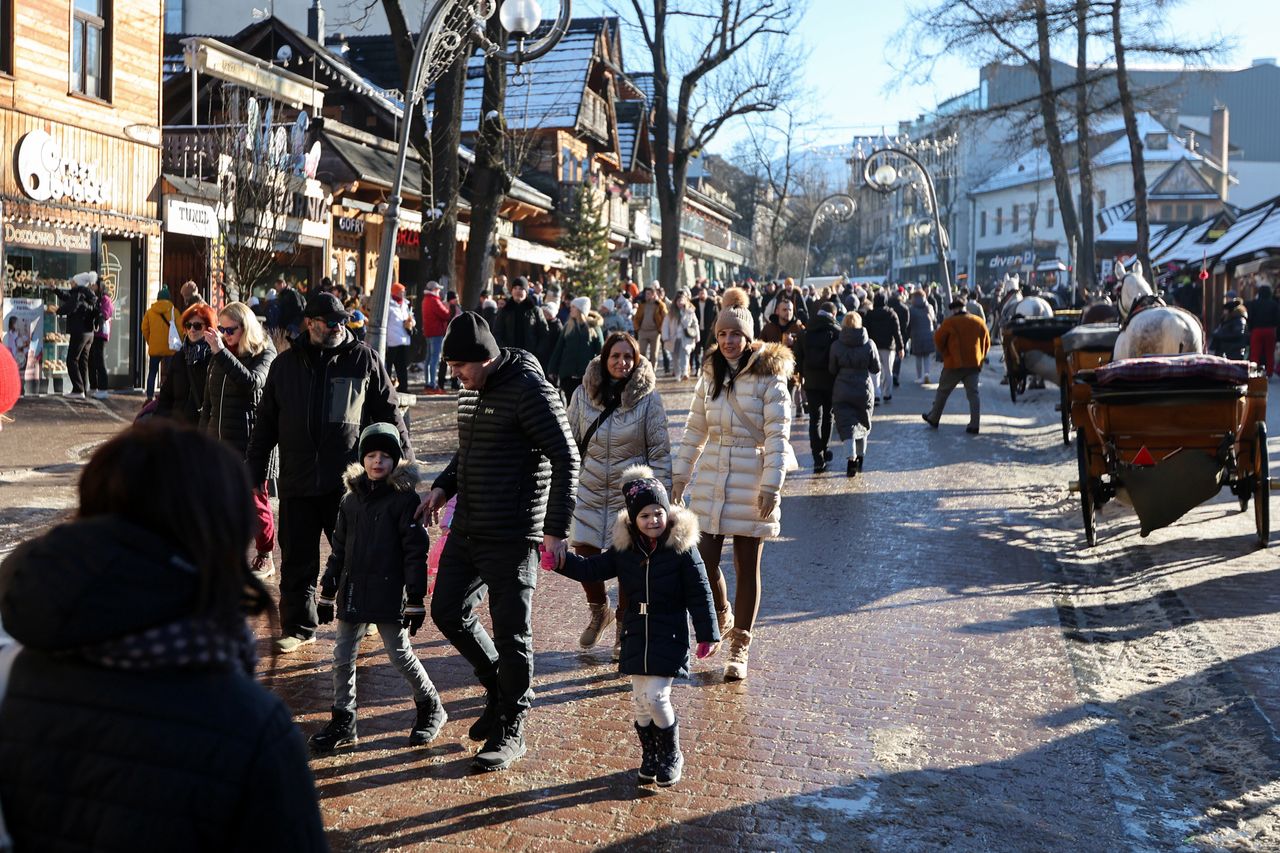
(850, 74)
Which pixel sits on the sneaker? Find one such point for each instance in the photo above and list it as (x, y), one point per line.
(504, 746)
(340, 733)
(735, 668)
(79, 395)
(430, 720)
(601, 617)
(289, 645)
(263, 566)
(100, 395)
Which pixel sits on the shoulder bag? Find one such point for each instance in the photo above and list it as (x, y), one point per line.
(175, 336)
(595, 425)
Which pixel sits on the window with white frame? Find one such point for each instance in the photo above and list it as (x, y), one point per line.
(90, 48)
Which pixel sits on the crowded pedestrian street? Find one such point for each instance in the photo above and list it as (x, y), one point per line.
(940, 663)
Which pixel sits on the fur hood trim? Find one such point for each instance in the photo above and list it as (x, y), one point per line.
(642, 383)
(683, 530)
(762, 360)
(404, 478)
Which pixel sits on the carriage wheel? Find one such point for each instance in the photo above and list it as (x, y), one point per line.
(1087, 507)
(1261, 486)
(1065, 395)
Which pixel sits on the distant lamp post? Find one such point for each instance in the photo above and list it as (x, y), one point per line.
(837, 207)
(880, 174)
(451, 28)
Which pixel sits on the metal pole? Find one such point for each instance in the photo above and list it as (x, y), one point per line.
(931, 197)
(840, 207)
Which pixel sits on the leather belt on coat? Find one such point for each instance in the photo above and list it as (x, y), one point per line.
(729, 440)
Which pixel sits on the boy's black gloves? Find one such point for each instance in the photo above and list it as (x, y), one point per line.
(324, 606)
(414, 615)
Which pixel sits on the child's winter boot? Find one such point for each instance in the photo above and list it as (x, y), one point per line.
(340, 733)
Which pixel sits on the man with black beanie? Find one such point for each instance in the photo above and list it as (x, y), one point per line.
(515, 476)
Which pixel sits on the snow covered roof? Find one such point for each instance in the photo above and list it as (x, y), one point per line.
(1126, 231)
(1191, 245)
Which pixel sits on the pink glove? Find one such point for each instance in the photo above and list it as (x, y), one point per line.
(706, 650)
(548, 559)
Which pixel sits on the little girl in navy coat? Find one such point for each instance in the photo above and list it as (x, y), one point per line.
(655, 558)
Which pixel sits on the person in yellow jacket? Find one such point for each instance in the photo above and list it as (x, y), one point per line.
(155, 331)
(963, 341)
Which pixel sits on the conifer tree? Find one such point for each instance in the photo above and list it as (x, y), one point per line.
(586, 242)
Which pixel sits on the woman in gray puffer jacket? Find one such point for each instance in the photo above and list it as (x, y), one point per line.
(853, 359)
(921, 328)
(621, 383)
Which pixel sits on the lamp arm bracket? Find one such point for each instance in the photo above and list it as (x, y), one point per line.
(543, 45)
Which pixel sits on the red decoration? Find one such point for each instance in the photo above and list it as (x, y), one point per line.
(10, 381)
(1144, 457)
(1204, 275)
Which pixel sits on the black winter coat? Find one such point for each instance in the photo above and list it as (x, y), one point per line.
(1264, 313)
(80, 306)
(102, 758)
(379, 556)
(516, 469)
(231, 395)
(521, 325)
(812, 351)
(903, 313)
(314, 405)
(884, 330)
(1231, 338)
(662, 591)
(182, 392)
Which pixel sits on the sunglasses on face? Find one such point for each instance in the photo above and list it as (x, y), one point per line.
(228, 330)
(199, 327)
(333, 324)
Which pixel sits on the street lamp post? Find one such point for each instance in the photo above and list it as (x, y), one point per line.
(451, 27)
(838, 207)
(881, 175)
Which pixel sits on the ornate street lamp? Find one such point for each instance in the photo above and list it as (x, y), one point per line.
(837, 207)
(880, 174)
(451, 28)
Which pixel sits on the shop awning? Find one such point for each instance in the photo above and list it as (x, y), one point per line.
(535, 253)
(373, 165)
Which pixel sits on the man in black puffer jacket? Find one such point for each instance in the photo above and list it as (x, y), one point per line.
(520, 323)
(882, 327)
(515, 476)
(320, 393)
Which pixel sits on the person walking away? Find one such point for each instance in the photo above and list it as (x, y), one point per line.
(1231, 337)
(155, 331)
(613, 322)
(519, 323)
(514, 475)
(319, 395)
(854, 361)
(812, 351)
(923, 324)
(654, 556)
(377, 575)
(881, 326)
(579, 343)
(79, 305)
(903, 313)
(680, 331)
(706, 307)
(136, 666)
(963, 341)
(733, 459)
(104, 310)
(648, 319)
(974, 306)
(187, 371)
(399, 336)
(241, 359)
(1264, 316)
(618, 420)
(435, 322)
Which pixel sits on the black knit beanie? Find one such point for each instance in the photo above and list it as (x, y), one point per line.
(640, 489)
(381, 436)
(469, 339)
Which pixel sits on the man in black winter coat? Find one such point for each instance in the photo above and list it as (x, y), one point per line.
(320, 393)
(903, 313)
(520, 323)
(812, 349)
(515, 476)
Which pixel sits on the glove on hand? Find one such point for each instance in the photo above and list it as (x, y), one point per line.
(414, 615)
(706, 650)
(768, 502)
(324, 610)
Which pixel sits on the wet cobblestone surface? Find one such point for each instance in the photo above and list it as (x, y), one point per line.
(939, 664)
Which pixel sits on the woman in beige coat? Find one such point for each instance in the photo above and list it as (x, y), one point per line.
(733, 463)
(622, 383)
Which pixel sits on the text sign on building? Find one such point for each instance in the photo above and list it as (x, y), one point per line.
(185, 217)
(45, 175)
(353, 225)
(48, 237)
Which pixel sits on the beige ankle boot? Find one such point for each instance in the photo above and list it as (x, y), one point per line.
(735, 668)
(601, 617)
(725, 618)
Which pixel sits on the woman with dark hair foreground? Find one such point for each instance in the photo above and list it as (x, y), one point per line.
(132, 719)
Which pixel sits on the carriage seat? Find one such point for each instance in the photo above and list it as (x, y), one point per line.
(1091, 337)
(1039, 328)
(1189, 372)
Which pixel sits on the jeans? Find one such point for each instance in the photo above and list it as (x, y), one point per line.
(432, 366)
(950, 378)
(302, 520)
(509, 572)
(819, 419)
(1262, 348)
(153, 373)
(922, 365)
(680, 356)
(78, 361)
(98, 364)
(395, 639)
(398, 360)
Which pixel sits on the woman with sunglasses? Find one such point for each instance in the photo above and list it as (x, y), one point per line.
(182, 392)
(241, 357)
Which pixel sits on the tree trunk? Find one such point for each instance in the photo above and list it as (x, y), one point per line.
(1086, 266)
(489, 180)
(440, 177)
(669, 261)
(1053, 132)
(1143, 249)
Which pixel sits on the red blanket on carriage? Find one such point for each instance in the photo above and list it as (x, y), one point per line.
(1193, 367)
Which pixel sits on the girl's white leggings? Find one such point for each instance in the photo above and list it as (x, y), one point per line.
(652, 697)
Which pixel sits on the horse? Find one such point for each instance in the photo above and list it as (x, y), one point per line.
(1151, 327)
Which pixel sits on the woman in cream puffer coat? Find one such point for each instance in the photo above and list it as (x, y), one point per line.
(734, 471)
(635, 433)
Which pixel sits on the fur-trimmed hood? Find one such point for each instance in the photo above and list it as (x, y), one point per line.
(404, 478)
(763, 359)
(641, 384)
(682, 530)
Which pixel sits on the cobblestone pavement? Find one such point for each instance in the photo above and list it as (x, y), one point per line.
(939, 664)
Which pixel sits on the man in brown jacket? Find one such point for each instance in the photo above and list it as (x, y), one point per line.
(963, 341)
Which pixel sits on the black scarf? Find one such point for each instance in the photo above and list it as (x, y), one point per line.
(611, 390)
(193, 643)
(197, 353)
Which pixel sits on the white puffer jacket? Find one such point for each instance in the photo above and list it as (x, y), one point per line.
(635, 434)
(718, 459)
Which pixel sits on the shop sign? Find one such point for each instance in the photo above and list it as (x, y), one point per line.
(186, 217)
(353, 225)
(408, 239)
(1015, 260)
(45, 175)
(50, 237)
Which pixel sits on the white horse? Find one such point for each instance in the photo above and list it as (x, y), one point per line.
(1157, 330)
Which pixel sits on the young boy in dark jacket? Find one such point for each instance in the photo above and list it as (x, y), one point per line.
(655, 558)
(377, 574)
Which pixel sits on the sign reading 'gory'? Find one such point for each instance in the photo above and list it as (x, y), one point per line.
(45, 175)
